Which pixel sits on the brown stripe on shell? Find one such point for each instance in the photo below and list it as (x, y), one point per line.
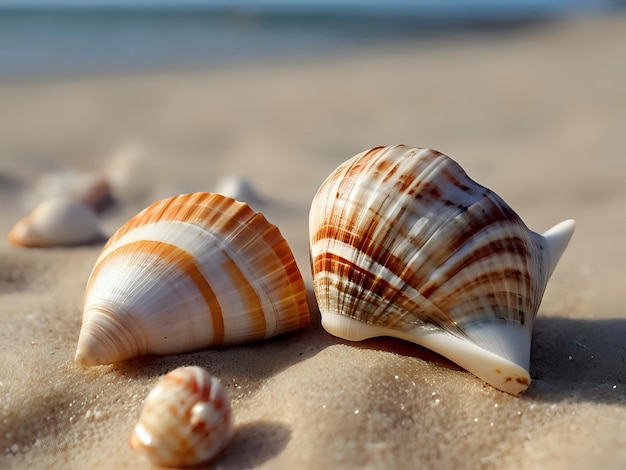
(249, 297)
(355, 165)
(226, 216)
(432, 181)
(513, 246)
(368, 283)
(254, 236)
(202, 209)
(419, 278)
(474, 290)
(378, 253)
(175, 258)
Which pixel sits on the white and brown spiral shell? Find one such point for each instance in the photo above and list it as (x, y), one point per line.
(404, 243)
(190, 272)
(186, 419)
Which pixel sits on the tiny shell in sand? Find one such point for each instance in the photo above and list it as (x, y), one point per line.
(405, 244)
(60, 221)
(186, 419)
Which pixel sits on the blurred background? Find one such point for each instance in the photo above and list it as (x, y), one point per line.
(164, 97)
(59, 37)
(132, 101)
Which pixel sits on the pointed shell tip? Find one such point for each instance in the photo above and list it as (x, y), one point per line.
(556, 240)
(84, 358)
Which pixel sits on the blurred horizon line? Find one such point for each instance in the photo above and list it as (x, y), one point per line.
(47, 37)
(418, 8)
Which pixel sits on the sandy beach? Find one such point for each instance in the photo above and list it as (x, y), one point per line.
(536, 113)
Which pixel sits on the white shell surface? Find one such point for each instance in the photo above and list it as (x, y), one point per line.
(190, 272)
(186, 419)
(60, 221)
(405, 244)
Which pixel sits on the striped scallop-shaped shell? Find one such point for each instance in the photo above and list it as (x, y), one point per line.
(190, 272)
(186, 419)
(405, 244)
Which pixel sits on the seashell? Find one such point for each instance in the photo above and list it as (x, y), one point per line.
(405, 244)
(186, 419)
(92, 189)
(59, 221)
(239, 188)
(129, 172)
(186, 273)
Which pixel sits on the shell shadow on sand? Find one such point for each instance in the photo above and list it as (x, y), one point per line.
(232, 364)
(579, 360)
(253, 444)
(571, 359)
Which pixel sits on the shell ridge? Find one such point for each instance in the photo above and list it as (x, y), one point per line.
(433, 166)
(195, 271)
(481, 248)
(435, 238)
(401, 211)
(194, 238)
(172, 256)
(251, 300)
(404, 243)
(436, 163)
(422, 223)
(274, 305)
(253, 244)
(388, 280)
(363, 258)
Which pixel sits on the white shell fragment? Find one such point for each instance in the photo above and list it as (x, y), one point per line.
(60, 221)
(405, 244)
(186, 419)
(187, 273)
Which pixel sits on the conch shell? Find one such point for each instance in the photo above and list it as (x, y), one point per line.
(405, 244)
(58, 221)
(187, 273)
(186, 419)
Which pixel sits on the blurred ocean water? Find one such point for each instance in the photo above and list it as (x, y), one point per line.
(54, 37)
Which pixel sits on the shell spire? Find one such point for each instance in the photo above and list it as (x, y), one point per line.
(405, 244)
(190, 272)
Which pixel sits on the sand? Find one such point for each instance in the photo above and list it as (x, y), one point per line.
(536, 113)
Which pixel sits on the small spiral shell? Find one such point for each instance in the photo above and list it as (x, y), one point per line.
(186, 419)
